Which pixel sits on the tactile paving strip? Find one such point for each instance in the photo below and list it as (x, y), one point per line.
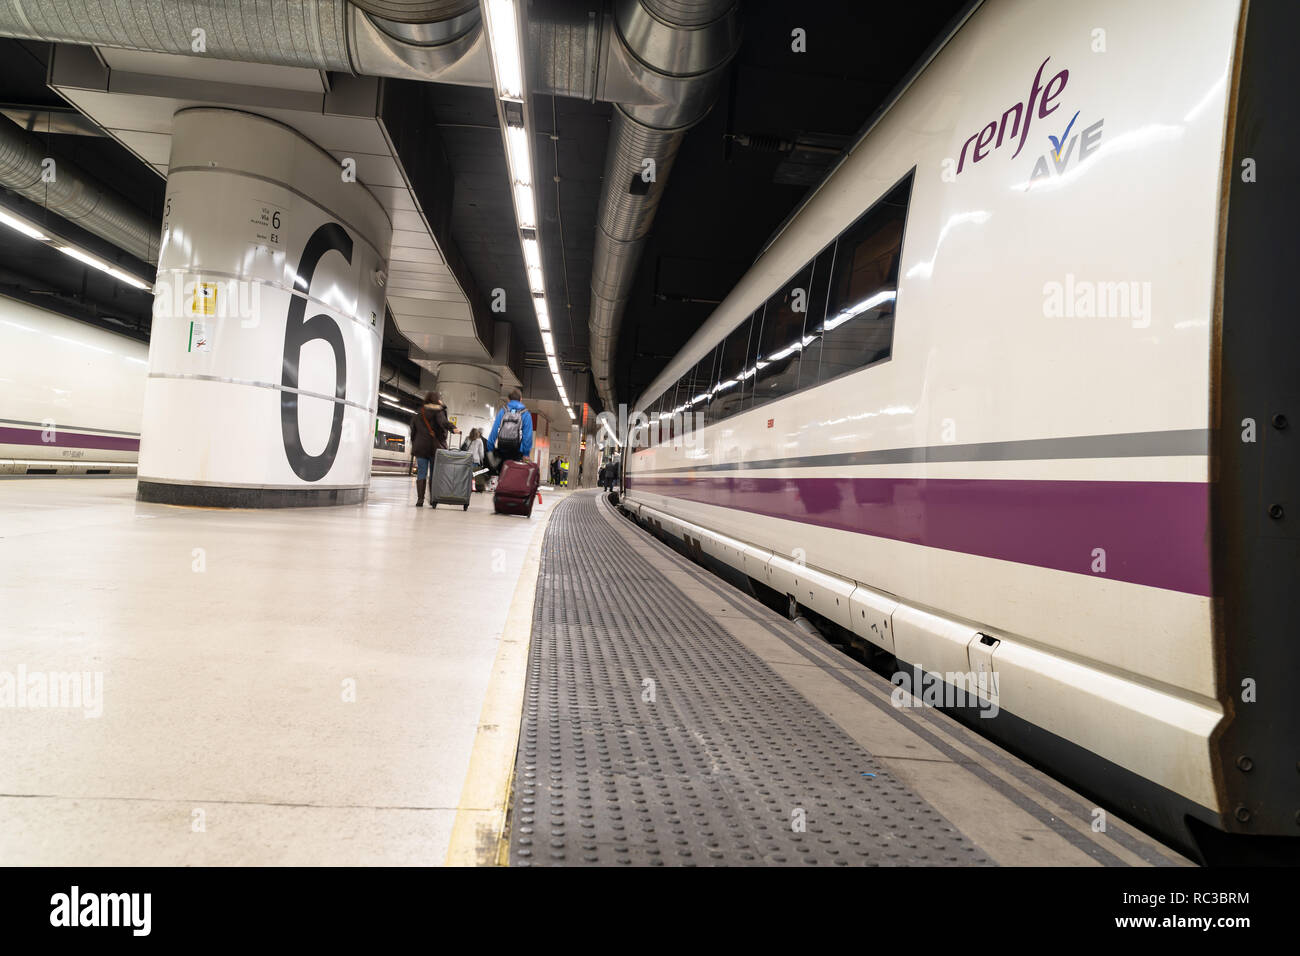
(650, 736)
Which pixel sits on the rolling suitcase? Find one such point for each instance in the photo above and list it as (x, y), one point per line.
(516, 488)
(452, 478)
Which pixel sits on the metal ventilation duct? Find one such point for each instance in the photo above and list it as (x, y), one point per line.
(677, 50)
(72, 194)
(372, 37)
(659, 61)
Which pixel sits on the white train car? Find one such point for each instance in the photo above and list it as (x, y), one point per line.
(985, 402)
(392, 454)
(70, 395)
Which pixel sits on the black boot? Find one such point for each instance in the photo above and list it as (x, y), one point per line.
(419, 493)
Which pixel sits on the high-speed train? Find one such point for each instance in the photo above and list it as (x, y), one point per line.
(1013, 394)
(71, 396)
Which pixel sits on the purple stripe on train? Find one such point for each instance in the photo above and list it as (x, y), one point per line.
(62, 439)
(1153, 533)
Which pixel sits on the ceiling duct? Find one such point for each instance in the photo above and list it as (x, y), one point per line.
(661, 62)
(72, 194)
(677, 52)
(412, 40)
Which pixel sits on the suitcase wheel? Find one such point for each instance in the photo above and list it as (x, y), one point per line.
(433, 504)
(465, 508)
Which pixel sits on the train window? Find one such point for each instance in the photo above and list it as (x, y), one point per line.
(859, 326)
(667, 429)
(781, 341)
(728, 393)
(810, 361)
(750, 369)
(698, 383)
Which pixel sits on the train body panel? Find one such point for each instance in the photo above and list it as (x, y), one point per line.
(71, 394)
(72, 397)
(1030, 456)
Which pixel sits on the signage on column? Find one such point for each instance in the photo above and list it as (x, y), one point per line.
(330, 237)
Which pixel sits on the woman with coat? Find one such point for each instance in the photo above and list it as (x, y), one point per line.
(474, 445)
(429, 430)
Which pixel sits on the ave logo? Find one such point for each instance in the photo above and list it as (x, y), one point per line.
(1067, 149)
(1011, 127)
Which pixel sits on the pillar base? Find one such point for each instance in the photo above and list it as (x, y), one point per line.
(215, 496)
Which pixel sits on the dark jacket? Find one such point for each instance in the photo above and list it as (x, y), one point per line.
(429, 430)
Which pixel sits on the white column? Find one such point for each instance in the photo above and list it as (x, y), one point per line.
(268, 321)
(470, 393)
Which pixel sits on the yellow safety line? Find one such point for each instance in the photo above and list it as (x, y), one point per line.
(478, 833)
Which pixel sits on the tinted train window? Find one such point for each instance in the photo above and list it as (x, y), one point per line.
(728, 392)
(810, 362)
(859, 325)
(781, 341)
(751, 358)
(701, 383)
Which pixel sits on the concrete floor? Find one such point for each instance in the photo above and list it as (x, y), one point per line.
(227, 641)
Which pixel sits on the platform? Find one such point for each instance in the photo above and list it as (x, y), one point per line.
(671, 719)
(378, 684)
(225, 640)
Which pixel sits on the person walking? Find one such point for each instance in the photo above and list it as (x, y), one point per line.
(429, 430)
(477, 452)
(512, 432)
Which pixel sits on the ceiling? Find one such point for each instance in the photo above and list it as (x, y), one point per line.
(776, 129)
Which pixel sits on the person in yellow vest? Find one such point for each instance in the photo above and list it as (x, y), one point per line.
(564, 472)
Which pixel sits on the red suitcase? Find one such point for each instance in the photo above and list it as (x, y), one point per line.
(517, 488)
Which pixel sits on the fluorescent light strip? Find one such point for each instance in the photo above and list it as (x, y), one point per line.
(548, 343)
(19, 224)
(506, 55)
(102, 266)
(543, 314)
(23, 226)
(521, 166)
(525, 212)
(535, 281)
(532, 254)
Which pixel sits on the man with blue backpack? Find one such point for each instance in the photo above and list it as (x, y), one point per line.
(512, 433)
(512, 440)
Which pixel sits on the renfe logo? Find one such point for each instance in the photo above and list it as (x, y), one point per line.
(1021, 115)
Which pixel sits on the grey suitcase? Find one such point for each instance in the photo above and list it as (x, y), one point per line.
(452, 478)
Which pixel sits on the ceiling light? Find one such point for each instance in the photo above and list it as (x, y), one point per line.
(503, 34)
(524, 209)
(532, 254)
(555, 366)
(23, 226)
(543, 314)
(548, 343)
(535, 281)
(521, 166)
(103, 266)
